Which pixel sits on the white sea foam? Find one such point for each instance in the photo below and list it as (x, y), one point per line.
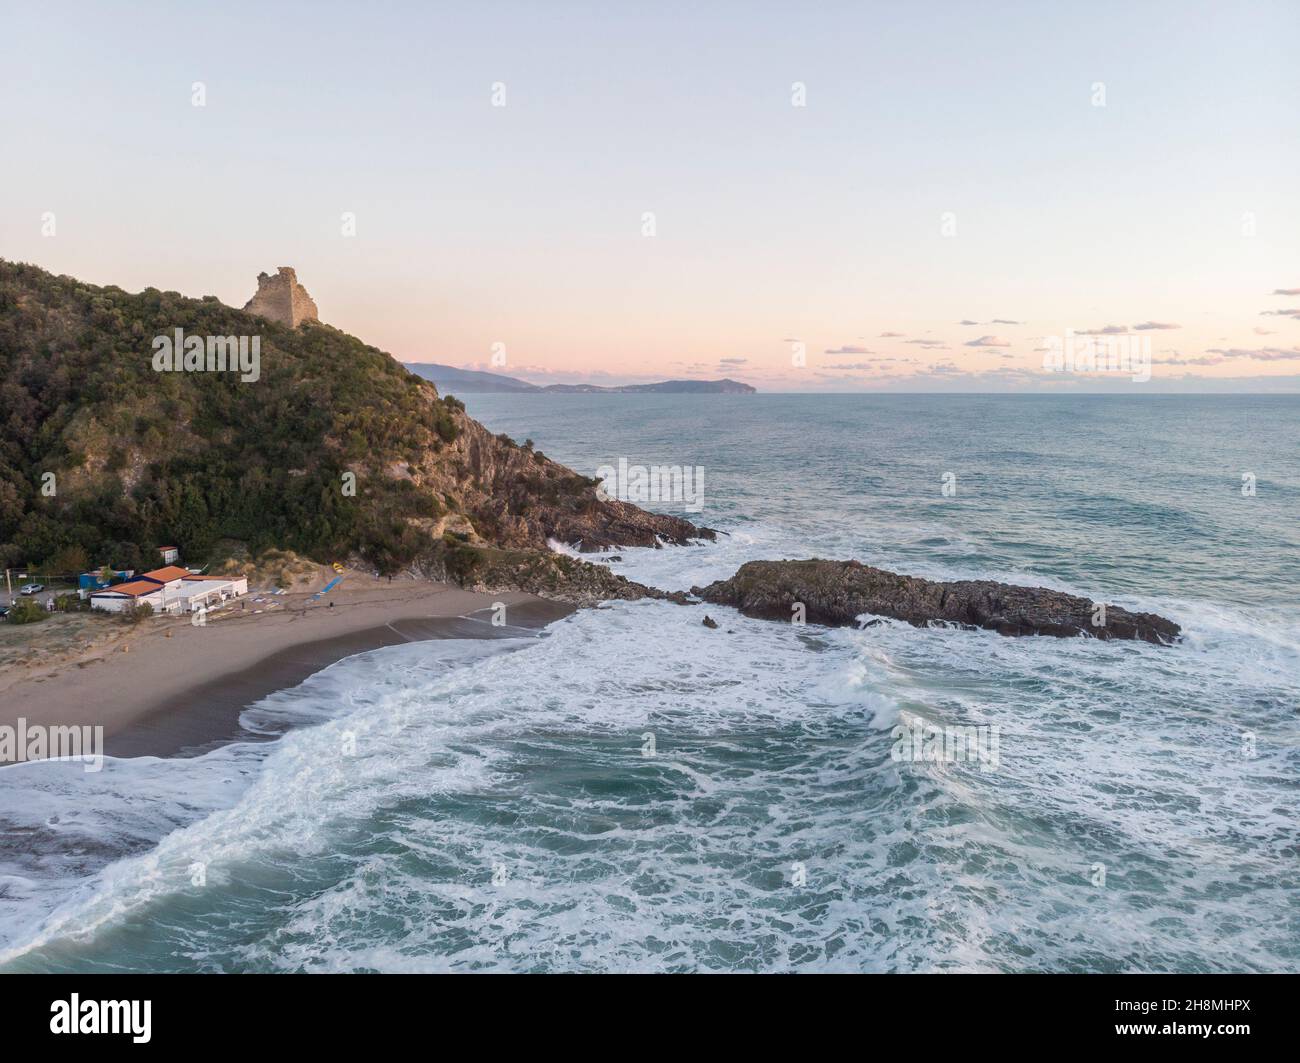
(86, 854)
(770, 754)
(502, 815)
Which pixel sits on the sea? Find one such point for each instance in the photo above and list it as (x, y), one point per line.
(630, 790)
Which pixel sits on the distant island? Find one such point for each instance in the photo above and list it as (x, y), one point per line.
(448, 378)
(468, 381)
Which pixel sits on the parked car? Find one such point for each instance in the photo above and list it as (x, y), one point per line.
(31, 588)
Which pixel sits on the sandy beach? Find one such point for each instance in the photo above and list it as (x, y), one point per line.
(166, 687)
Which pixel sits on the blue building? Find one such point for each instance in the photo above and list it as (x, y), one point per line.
(93, 581)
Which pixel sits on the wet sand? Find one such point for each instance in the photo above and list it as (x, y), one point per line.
(168, 688)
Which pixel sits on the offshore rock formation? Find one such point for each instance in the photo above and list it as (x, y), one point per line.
(282, 299)
(836, 593)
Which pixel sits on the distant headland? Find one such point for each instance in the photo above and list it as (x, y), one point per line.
(469, 381)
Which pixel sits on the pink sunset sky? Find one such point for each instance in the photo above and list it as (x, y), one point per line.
(916, 194)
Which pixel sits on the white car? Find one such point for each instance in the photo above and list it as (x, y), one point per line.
(31, 588)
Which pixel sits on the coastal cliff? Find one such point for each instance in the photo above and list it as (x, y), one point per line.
(318, 443)
(517, 497)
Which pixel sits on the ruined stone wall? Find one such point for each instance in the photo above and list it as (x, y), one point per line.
(281, 298)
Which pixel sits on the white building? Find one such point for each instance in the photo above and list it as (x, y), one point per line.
(169, 578)
(121, 597)
(170, 590)
(198, 592)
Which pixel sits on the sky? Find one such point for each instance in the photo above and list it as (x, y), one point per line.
(805, 197)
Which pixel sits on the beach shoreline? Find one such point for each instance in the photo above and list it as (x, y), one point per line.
(167, 687)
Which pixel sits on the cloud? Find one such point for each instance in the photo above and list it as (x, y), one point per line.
(930, 345)
(1260, 354)
(1280, 313)
(989, 341)
(967, 321)
(847, 349)
(1005, 321)
(892, 335)
(1286, 291)
(947, 377)
(1120, 330)
(733, 361)
(1263, 331)
(1178, 360)
(871, 363)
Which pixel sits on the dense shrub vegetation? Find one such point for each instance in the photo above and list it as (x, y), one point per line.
(27, 611)
(143, 458)
(133, 614)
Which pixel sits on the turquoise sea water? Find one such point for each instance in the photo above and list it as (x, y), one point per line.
(490, 806)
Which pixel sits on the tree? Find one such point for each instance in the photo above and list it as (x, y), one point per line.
(70, 559)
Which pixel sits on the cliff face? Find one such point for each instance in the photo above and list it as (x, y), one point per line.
(516, 497)
(541, 572)
(282, 299)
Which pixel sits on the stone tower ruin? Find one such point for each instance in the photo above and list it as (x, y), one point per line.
(282, 299)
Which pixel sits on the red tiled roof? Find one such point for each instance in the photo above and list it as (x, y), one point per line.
(167, 574)
(224, 579)
(133, 589)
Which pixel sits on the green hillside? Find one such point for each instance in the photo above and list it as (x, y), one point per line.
(141, 458)
(333, 451)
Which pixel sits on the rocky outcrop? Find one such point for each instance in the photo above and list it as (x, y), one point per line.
(542, 572)
(836, 593)
(282, 299)
(516, 497)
